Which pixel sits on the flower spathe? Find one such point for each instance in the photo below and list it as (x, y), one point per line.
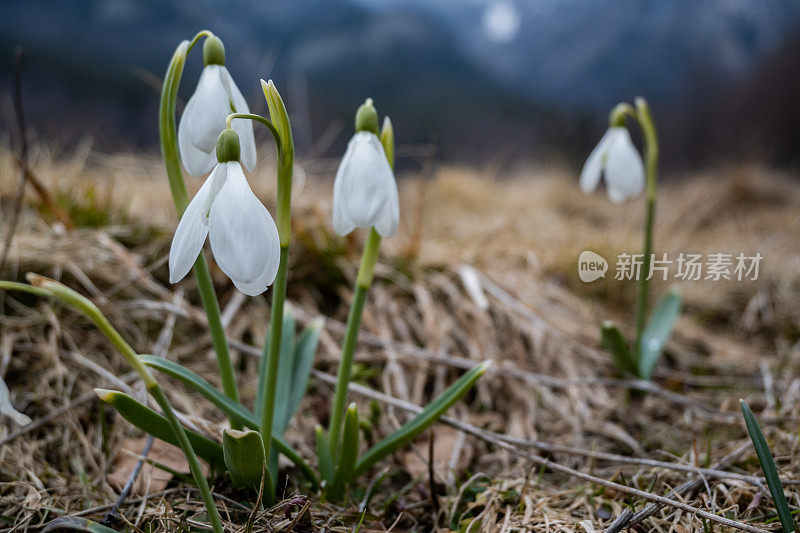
(243, 236)
(203, 119)
(617, 159)
(365, 191)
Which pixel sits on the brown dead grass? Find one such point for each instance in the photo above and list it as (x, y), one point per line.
(523, 233)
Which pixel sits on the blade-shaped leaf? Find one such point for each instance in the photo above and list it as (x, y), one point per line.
(245, 459)
(614, 343)
(228, 406)
(74, 523)
(768, 467)
(235, 410)
(323, 454)
(285, 368)
(657, 332)
(305, 351)
(419, 423)
(348, 454)
(158, 426)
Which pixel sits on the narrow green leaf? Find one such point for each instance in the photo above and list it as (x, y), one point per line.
(303, 361)
(74, 523)
(348, 454)
(235, 410)
(768, 467)
(285, 368)
(657, 332)
(157, 425)
(323, 454)
(419, 423)
(614, 343)
(245, 459)
(228, 406)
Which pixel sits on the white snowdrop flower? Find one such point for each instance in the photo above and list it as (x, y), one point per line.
(617, 159)
(365, 190)
(203, 119)
(244, 238)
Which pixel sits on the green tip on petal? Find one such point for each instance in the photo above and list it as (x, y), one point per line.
(213, 51)
(367, 117)
(228, 146)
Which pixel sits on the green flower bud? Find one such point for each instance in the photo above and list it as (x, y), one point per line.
(367, 117)
(228, 146)
(213, 51)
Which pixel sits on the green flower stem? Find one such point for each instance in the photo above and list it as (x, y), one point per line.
(270, 358)
(271, 353)
(42, 286)
(363, 282)
(645, 120)
(194, 465)
(169, 149)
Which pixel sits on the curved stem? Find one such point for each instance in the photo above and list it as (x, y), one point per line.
(196, 38)
(170, 152)
(257, 118)
(645, 121)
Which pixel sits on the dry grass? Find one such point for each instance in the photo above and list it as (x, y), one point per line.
(551, 383)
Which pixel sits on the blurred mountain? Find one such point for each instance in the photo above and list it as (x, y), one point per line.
(471, 75)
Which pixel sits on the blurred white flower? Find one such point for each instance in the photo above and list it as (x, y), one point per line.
(617, 159)
(365, 191)
(243, 236)
(215, 98)
(7, 409)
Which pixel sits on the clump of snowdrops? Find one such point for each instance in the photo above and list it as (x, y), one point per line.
(215, 134)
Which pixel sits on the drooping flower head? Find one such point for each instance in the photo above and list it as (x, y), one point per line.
(616, 158)
(365, 191)
(243, 236)
(204, 117)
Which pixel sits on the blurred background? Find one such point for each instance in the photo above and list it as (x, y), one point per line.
(476, 80)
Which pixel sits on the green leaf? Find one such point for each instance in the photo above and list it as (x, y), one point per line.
(305, 351)
(228, 406)
(419, 423)
(657, 332)
(285, 369)
(614, 343)
(323, 454)
(235, 410)
(74, 523)
(768, 467)
(157, 425)
(348, 454)
(245, 459)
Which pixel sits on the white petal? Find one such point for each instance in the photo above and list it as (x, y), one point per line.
(243, 127)
(243, 235)
(6, 408)
(193, 228)
(389, 219)
(341, 224)
(270, 271)
(203, 120)
(624, 170)
(365, 181)
(590, 175)
(196, 161)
